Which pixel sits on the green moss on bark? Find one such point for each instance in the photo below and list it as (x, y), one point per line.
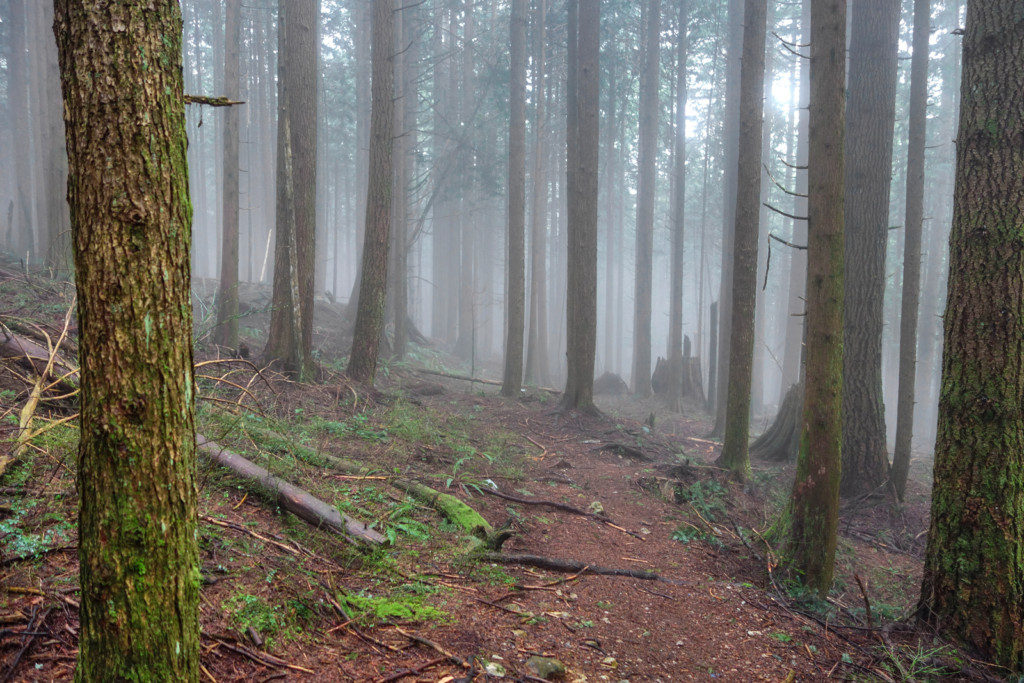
(131, 221)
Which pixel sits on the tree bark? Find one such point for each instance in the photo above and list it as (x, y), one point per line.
(138, 548)
(973, 587)
(582, 137)
(913, 223)
(675, 344)
(730, 133)
(226, 331)
(871, 111)
(537, 341)
(813, 514)
(793, 360)
(650, 107)
(290, 340)
(735, 455)
(516, 294)
(362, 364)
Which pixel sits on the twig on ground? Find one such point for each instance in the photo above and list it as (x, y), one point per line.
(454, 659)
(399, 675)
(26, 642)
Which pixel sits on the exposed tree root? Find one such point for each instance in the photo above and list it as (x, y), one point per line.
(779, 443)
(626, 452)
(292, 498)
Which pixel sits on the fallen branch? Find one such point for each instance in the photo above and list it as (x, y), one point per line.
(290, 497)
(454, 659)
(567, 566)
(543, 503)
(399, 675)
(559, 506)
(28, 638)
(261, 657)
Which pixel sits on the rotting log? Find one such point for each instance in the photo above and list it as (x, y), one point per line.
(290, 497)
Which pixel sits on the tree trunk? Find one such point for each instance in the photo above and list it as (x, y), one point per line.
(813, 513)
(647, 181)
(792, 363)
(362, 364)
(973, 586)
(582, 139)
(912, 249)
(23, 231)
(675, 344)
(536, 353)
(398, 276)
(290, 340)
(137, 455)
(516, 294)
(871, 112)
(735, 455)
(730, 132)
(226, 331)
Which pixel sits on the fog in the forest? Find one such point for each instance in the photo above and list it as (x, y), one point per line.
(452, 110)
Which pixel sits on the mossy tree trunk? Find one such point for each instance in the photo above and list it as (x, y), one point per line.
(973, 585)
(913, 225)
(516, 294)
(583, 136)
(871, 112)
(735, 453)
(121, 72)
(226, 331)
(813, 514)
(362, 364)
(730, 155)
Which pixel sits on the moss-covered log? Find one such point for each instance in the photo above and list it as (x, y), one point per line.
(447, 505)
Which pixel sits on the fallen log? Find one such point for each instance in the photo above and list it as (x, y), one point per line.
(290, 497)
(567, 566)
(480, 380)
(21, 349)
(448, 506)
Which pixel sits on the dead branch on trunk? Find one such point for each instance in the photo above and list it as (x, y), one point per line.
(208, 101)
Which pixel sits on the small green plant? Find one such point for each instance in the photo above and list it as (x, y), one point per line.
(375, 609)
(918, 663)
(251, 611)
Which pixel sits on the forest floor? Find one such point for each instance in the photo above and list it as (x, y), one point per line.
(284, 600)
